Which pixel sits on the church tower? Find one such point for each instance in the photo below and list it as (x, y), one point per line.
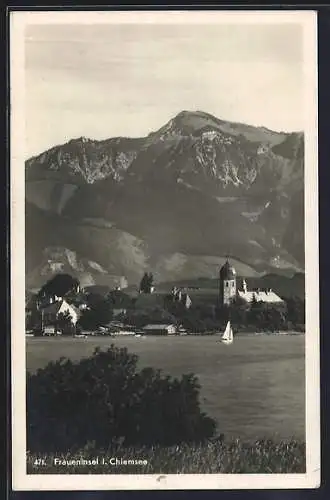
(227, 284)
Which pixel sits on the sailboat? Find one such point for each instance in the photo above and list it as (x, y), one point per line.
(228, 336)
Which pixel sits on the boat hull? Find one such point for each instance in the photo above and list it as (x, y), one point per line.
(226, 342)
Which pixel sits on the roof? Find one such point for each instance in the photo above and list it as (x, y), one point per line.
(157, 326)
(227, 272)
(75, 308)
(187, 300)
(56, 306)
(52, 308)
(262, 296)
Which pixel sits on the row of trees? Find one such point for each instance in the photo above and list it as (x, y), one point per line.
(257, 316)
(204, 318)
(200, 317)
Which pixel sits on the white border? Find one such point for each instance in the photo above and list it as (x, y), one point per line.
(22, 481)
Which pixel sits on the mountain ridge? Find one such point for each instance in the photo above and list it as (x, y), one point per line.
(180, 113)
(199, 186)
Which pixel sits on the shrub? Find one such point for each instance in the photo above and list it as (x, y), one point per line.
(105, 399)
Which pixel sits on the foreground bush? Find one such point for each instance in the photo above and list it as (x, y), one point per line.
(261, 457)
(104, 399)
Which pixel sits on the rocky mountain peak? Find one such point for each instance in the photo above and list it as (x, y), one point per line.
(197, 186)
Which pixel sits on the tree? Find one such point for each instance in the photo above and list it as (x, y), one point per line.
(59, 285)
(174, 307)
(64, 323)
(146, 283)
(241, 303)
(256, 314)
(295, 311)
(160, 315)
(150, 280)
(119, 300)
(136, 318)
(104, 398)
(29, 319)
(238, 315)
(98, 314)
(75, 298)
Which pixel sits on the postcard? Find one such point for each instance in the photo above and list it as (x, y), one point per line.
(164, 250)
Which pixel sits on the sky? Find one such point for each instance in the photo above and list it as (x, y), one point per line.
(101, 81)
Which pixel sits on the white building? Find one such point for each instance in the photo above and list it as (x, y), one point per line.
(228, 290)
(159, 329)
(50, 313)
(258, 295)
(181, 296)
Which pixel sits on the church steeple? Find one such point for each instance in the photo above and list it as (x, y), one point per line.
(227, 283)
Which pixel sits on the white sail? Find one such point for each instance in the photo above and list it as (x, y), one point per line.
(228, 336)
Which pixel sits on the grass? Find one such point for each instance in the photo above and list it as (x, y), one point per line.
(213, 457)
(254, 388)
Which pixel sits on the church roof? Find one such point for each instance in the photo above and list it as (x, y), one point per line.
(260, 296)
(227, 272)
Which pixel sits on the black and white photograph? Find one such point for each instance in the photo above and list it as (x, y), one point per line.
(164, 250)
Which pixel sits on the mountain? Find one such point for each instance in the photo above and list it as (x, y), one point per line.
(175, 202)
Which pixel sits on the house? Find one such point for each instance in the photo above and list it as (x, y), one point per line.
(268, 295)
(50, 330)
(187, 301)
(160, 329)
(178, 295)
(51, 312)
(55, 266)
(83, 306)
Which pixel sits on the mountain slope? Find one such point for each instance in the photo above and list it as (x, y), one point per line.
(199, 187)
